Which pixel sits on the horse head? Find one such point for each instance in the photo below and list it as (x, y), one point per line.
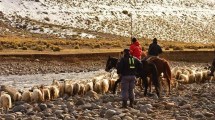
(111, 63)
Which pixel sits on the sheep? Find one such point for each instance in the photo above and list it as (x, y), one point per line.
(89, 86)
(60, 86)
(199, 76)
(68, 88)
(26, 96)
(46, 92)
(10, 90)
(183, 78)
(17, 96)
(37, 95)
(111, 84)
(82, 89)
(104, 86)
(192, 78)
(97, 86)
(76, 88)
(205, 76)
(54, 92)
(5, 101)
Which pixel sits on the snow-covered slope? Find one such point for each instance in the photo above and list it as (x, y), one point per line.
(178, 20)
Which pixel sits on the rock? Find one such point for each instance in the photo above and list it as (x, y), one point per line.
(18, 113)
(9, 117)
(115, 117)
(127, 118)
(43, 106)
(79, 102)
(19, 108)
(109, 113)
(50, 105)
(208, 114)
(198, 115)
(187, 106)
(182, 118)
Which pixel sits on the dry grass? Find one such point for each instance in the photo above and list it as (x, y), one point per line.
(41, 44)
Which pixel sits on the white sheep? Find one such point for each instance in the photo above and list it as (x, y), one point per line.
(17, 96)
(46, 92)
(104, 86)
(89, 86)
(5, 101)
(27, 96)
(82, 90)
(183, 78)
(76, 88)
(37, 95)
(205, 76)
(68, 87)
(111, 84)
(199, 76)
(54, 92)
(60, 86)
(9, 90)
(97, 86)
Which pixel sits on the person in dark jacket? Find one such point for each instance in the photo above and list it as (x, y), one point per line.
(212, 69)
(154, 48)
(128, 67)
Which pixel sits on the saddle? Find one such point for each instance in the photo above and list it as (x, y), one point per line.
(151, 58)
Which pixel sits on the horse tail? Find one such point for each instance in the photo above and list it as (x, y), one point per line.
(167, 74)
(167, 70)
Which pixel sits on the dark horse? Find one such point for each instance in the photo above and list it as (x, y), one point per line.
(148, 69)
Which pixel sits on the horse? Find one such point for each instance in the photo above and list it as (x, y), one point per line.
(162, 66)
(148, 69)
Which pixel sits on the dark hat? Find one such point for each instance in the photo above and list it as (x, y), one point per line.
(126, 51)
(134, 39)
(155, 40)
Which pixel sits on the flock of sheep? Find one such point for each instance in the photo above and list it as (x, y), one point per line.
(100, 84)
(58, 88)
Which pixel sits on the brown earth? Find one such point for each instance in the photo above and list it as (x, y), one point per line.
(20, 64)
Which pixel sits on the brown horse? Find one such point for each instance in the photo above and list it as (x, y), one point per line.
(162, 67)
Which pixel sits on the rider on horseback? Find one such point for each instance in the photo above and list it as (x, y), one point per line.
(154, 48)
(153, 51)
(135, 48)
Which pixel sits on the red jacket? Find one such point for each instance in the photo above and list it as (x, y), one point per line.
(136, 50)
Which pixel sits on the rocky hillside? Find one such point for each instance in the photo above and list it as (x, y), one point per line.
(173, 20)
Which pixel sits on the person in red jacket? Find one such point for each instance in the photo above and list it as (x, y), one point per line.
(135, 48)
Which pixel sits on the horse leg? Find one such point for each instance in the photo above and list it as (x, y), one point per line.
(150, 84)
(168, 81)
(145, 84)
(115, 85)
(155, 79)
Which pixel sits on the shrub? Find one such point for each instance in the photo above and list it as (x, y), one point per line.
(24, 48)
(97, 46)
(77, 46)
(47, 19)
(178, 48)
(55, 48)
(167, 48)
(40, 48)
(125, 12)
